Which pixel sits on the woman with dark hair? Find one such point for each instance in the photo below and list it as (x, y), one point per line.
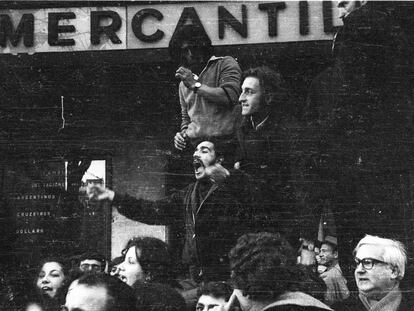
(148, 260)
(51, 284)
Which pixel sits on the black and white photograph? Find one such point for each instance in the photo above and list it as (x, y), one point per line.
(167, 155)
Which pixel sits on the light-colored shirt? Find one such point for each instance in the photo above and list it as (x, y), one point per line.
(203, 118)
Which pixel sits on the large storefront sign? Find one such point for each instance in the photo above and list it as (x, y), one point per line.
(151, 26)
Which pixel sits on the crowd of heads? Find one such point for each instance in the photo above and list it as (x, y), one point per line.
(263, 268)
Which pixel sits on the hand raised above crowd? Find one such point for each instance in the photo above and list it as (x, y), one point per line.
(99, 193)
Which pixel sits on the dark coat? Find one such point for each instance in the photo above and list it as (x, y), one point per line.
(353, 303)
(276, 156)
(220, 218)
(362, 108)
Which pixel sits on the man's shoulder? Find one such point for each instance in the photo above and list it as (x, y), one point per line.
(352, 303)
(334, 271)
(407, 301)
(224, 60)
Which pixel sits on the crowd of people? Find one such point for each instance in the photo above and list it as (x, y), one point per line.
(251, 234)
(265, 275)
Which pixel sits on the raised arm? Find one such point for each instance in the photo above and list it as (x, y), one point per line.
(228, 90)
(161, 212)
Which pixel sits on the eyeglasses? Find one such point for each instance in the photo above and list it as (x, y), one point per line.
(368, 263)
(93, 267)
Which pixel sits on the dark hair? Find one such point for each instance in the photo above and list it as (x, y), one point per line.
(158, 297)
(222, 149)
(92, 256)
(216, 290)
(61, 261)
(154, 258)
(195, 36)
(122, 296)
(261, 265)
(332, 245)
(45, 301)
(116, 261)
(272, 85)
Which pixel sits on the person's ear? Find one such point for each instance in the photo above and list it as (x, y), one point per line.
(335, 254)
(267, 100)
(395, 274)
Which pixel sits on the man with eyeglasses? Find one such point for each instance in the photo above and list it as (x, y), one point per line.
(92, 262)
(380, 266)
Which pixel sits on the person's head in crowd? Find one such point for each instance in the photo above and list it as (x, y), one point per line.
(92, 262)
(263, 92)
(114, 265)
(347, 7)
(380, 265)
(191, 47)
(260, 268)
(146, 259)
(328, 252)
(99, 292)
(158, 297)
(207, 154)
(213, 294)
(263, 269)
(33, 306)
(52, 277)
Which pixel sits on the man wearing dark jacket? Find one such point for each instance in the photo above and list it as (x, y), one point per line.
(265, 277)
(272, 151)
(209, 213)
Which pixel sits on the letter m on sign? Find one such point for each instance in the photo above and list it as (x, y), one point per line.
(25, 29)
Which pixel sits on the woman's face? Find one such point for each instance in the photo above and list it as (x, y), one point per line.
(50, 279)
(130, 270)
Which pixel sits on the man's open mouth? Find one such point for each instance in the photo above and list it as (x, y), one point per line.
(197, 164)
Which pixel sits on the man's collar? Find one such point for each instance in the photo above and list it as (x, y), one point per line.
(297, 299)
(260, 125)
(214, 58)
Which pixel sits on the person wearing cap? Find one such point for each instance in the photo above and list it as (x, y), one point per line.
(336, 285)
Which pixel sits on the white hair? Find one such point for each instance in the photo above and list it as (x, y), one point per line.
(394, 251)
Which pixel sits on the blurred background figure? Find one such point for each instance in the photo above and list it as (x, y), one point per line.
(92, 262)
(331, 273)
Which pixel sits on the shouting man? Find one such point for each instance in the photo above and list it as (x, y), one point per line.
(208, 215)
